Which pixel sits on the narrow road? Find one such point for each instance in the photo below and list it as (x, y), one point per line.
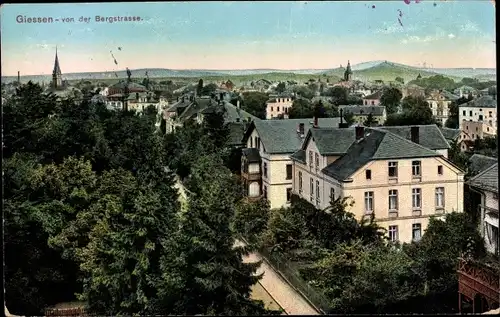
(292, 302)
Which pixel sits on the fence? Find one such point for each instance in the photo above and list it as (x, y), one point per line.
(76, 311)
(291, 275)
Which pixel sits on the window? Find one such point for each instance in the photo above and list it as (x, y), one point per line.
(393, 233)
(440, 197)
(440, 169)
(317, 161)
(312, 188)
(251, 142)
(415, 168)
(470, 113)
(310, 158)
(288, 195)
(477, 129)
(265, 169)
(373, 102)
(393, 199)
(416, 198)
(278, 109)
(416, 231)
(464, 113)
(393, 169)
(473, 136)
(258, 143)
(317, 192)
(490, 114)
(332, 194)
(368, 202)
(368, 174)
(480, 117)
(272, 108)
(300, 182)
(289, 171)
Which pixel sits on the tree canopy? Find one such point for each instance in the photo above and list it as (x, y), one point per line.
(391, 99)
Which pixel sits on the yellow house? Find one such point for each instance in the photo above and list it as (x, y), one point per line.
(401, 182)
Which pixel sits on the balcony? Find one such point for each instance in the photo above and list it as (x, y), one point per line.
(251, 176)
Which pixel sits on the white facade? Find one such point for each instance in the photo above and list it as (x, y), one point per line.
(489, 229)
(277, 175)
(487, 115)
(278, 106)
(440, 107)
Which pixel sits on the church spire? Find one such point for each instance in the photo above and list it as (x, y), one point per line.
(56, 74)
(348, 72)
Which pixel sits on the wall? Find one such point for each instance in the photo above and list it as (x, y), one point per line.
(368, 102)
(489, 203)
(272, 107)
(476, 112)
(476, 130)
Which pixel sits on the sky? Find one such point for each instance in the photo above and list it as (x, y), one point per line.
(248, 35)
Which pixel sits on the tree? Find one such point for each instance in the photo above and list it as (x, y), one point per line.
(400, 80)
(251, 218)
(301, 108)
(280, 88)
(390, 99)
(199, 88)
(415, 111)
(339, 95)
(348, 117)
(304, 92)
(457, 156)
(369, 120)
(255, 103)
(208, 89)
(206, 274)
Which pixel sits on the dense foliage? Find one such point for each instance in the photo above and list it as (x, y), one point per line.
(416, 111)
(91, 209)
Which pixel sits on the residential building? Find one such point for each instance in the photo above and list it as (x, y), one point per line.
(428, 136)
(275, 141)
(486, 184)
(121, 87)
(399, 181)
(361, 113)
(413, 90)
(474, 130)
(373, 99)
(479, 163)
(482, 109)
(279, 106)
(466, 92)
(440, 101)
(172, 114)
(451, 135)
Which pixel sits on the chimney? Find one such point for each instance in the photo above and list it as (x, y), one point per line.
(342, 124)
(415, 131)
(301, 129)
(315, 124)
(360, 133)
(18, 77)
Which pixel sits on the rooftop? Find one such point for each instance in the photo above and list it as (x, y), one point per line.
(376, 95)
(375, 145)
(281, 137)
(482, 102)
(430, 136)
(479, 163)
(450, 134)
(364, 110)
(487, 179)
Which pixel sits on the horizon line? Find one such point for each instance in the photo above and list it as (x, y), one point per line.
(246, 69)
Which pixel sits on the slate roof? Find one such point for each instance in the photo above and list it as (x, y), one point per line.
(132, 85)
(328, 145)
(450, 134)
(481, 102)
(233, 113)
(479, 163)
(487, 180)
(430, 136)
(179, 105)
(449, 96)
(376, 145)
(236, 131)
(198, 105)
(252, 155)
(280, 136)
(365, 110)
(376, 95)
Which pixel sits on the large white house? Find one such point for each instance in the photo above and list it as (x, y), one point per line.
(267, 168)
(278, 106)
(439, 102)
(482, 109)
(486, 184)
(400, 181)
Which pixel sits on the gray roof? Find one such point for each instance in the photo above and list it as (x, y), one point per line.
(376, 95)
(449, 95)
(131, 85)
(364, 110)
(179, 105)
(280, 136)
(479, 163)
(252, 155)
(487, 180)
(376, 145)
(198, 105)
(328, 145)
(450, 134)
(482, 102)
(430, 136)
(236, 132)
(233, 113)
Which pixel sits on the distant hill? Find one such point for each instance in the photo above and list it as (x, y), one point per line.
(367, 71)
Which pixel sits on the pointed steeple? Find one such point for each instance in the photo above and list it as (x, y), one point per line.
(56, 74)
(348, 72)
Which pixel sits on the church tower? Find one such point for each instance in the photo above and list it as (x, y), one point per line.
(348, 72)
(57, 74)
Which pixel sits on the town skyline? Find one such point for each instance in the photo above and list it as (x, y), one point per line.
(287, 36)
